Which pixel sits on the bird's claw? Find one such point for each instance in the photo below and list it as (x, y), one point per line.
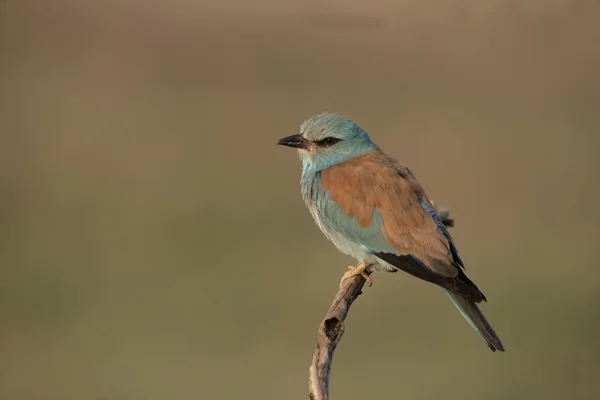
(355, 270)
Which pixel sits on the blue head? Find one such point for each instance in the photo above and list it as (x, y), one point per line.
(328, 139)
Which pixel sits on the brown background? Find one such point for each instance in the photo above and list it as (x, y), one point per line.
(154, 244)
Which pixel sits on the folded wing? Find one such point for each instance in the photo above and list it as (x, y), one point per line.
(377, 203)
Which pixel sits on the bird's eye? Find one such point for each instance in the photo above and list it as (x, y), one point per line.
(328, 141)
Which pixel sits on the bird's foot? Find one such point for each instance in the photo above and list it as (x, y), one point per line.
(355, 270)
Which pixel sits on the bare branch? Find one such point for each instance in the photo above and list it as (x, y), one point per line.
(332, 328)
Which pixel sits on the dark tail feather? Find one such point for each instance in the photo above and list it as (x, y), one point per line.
(471, 312)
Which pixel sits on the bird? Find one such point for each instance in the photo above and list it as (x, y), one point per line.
(373, 209)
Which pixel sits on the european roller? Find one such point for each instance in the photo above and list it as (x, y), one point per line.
(373, 209)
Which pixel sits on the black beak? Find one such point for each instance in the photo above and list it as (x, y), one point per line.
(296, 141)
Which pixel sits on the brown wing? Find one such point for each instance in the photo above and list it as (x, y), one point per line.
(375, 181)
(372, 183)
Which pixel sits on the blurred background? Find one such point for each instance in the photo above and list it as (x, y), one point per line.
(154, 244)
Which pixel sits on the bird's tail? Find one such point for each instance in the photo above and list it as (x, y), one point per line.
(475, 318)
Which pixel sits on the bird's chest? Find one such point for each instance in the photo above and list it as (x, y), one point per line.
(313, 194)
(316, 198)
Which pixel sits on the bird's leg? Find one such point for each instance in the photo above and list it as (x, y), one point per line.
(355, 270)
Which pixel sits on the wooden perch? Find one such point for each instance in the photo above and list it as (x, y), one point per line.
(332, 328)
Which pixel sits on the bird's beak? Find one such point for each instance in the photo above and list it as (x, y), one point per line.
(296, 141)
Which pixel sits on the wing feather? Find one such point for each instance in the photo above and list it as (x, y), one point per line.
(373, 188)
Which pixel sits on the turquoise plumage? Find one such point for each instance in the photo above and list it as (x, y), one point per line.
(373, 209)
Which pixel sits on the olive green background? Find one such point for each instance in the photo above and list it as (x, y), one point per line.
(153, 242)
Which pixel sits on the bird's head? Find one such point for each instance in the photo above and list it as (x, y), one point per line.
(328, 139)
